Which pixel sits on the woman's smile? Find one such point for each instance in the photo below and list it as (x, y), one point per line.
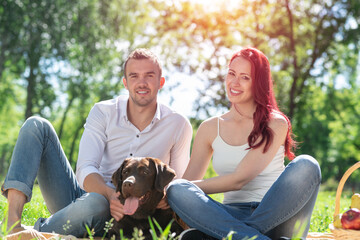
(235, 92)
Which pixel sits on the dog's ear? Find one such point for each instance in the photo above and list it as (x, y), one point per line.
(164, 174)
(117, 176)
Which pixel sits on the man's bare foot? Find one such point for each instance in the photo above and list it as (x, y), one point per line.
(16, 201)
(16, 229)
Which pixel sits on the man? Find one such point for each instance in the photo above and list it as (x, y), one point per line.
(115, 129)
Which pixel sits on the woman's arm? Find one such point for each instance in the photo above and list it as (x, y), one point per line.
(201, 151)
(252, 165)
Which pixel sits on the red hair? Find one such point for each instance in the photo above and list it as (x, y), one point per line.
(262, 89)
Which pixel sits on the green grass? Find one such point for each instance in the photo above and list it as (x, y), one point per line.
(321, 218)
(324, 210)
(32, 211)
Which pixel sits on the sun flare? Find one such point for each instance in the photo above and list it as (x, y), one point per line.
(216, 5)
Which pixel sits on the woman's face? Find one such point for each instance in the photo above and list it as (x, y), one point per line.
(238, 81)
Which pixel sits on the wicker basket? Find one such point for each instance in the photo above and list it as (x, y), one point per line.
(340, 233)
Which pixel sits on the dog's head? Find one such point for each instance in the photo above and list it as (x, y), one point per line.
(141, 183)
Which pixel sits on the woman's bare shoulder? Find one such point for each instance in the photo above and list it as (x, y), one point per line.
(209, 122)
(278, 121)
(209, 126)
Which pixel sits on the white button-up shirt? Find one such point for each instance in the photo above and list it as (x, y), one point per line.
(109, 137)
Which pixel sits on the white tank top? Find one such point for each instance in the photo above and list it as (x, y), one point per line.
(225, 160)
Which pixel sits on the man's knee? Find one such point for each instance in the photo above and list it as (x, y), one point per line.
(96, 203)
(35, 122)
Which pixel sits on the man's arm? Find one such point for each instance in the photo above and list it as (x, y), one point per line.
(180, 152)
(92, 145)
(95, 183)
(179, 155)
(91, 150)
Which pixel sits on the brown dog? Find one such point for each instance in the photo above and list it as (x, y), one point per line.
(141, 183)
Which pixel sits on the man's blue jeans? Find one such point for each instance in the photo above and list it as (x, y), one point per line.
(287, 206)
(38, 153)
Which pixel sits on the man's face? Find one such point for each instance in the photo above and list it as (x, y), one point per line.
(143, 81)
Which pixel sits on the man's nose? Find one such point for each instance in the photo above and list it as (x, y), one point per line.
(142, 80)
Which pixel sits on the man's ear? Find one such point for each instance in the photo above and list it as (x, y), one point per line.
(125, 83)
(162, 82)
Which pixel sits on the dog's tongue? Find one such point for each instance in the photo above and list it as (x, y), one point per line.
(131, 205)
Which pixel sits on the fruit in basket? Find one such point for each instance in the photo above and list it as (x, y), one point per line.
(351, 219)
(337, 221)
(355, 201)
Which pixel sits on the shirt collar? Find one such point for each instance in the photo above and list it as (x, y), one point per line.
(157, 115)
(122, 108)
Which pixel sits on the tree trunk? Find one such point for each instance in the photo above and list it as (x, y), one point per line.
(34, 59)
(63, 120)
(30, 90)
(75, 138)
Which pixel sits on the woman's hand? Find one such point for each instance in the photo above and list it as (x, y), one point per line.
(116, 208)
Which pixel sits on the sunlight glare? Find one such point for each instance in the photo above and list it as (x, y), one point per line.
(216, 5)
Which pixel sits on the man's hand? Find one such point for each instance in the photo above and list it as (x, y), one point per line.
(116, 208)
(163, 204)
(95, 183)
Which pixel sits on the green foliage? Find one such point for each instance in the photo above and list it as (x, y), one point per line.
(323, 213)
(295, 35)
(57, 58)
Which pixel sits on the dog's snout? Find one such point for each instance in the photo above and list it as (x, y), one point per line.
(129, 182)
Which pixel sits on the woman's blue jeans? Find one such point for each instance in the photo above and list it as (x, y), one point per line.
(38, 153)
(285, 209)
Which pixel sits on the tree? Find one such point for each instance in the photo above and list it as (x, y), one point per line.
(302, 40)
(58, 58)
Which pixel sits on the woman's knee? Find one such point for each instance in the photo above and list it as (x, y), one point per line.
(307, 165)
(176, 188)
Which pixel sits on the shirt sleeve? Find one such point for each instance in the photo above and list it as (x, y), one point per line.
(92, 145)
(180, 152)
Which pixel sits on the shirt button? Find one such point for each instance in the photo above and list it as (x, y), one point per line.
(137, 136)
(130, 154)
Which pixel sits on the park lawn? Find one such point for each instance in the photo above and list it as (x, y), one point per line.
(321, 218)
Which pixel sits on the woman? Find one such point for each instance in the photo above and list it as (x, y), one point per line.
(248, 144)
